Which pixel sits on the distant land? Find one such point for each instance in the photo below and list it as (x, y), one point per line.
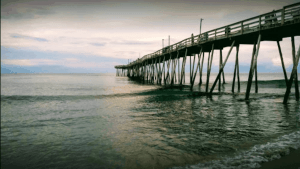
(244, 68)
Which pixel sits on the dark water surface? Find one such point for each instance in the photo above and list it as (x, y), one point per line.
(103, 121)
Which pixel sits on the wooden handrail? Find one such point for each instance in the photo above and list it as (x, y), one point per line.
(240, 27)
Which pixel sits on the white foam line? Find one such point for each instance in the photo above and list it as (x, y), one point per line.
(257, 154)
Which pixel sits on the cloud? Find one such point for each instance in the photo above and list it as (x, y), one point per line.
(29, 37)
(21, 11)
(119, 29)
(126, 42)
(19, 62)
(97, 44)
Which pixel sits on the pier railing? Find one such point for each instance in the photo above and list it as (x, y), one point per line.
(287, 15)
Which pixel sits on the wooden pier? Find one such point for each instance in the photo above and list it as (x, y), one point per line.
(160, 67)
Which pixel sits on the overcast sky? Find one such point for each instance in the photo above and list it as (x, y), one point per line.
(93, 36)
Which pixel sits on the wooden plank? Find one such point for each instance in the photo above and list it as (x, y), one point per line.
(219, 74)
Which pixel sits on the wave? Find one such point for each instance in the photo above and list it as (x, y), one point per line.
(256, 155)
(34, 98)
(160, 90)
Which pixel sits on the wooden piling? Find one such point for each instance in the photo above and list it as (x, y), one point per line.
(209, 67)
(167, 75)
(152, 77)
(156, 71)
(256, 85)
(193, 68)
(290, 82)
(207, 74)
(201, 70)
(235, 68)
(190, 69)
(183, 67)
(193, 80)
(164, 71)
(174, 71)
(282, 63)
(220, 72)
(238, 69)
(178, 65)
(296, 63)
(178, 68)
(222, 64)
(254, 58)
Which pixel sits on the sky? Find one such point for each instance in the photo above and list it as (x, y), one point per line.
(72, 36)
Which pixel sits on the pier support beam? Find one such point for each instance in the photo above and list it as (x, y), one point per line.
(256, 85)
(220, 72)
(200, 70)
(282, 63)
(174, 69)
(209, 62)
(159, 71)
(254, 59)
(290, 82)
(198, 65)
(222, 64)
(236, 70)
(167, 75)
(164, 71)
(183, 67)
(295, 62)
(178, 69)
(193, 68)
(190, 69)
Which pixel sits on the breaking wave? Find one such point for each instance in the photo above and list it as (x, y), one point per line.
(256, 155)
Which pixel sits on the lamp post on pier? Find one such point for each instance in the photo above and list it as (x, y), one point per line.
(200, 24)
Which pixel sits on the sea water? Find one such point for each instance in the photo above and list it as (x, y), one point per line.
(104, 121)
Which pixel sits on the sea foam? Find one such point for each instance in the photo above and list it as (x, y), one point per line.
(256, 155)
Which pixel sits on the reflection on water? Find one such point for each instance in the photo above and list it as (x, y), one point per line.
(202, 129)
(130, 125)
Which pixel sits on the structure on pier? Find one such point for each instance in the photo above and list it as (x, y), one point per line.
(160, 67)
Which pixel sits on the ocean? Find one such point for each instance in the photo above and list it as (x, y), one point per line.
(105, 121)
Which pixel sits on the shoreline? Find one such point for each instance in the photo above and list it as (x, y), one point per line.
(290, 161)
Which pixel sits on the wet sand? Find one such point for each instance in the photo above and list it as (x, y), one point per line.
(291, 161)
